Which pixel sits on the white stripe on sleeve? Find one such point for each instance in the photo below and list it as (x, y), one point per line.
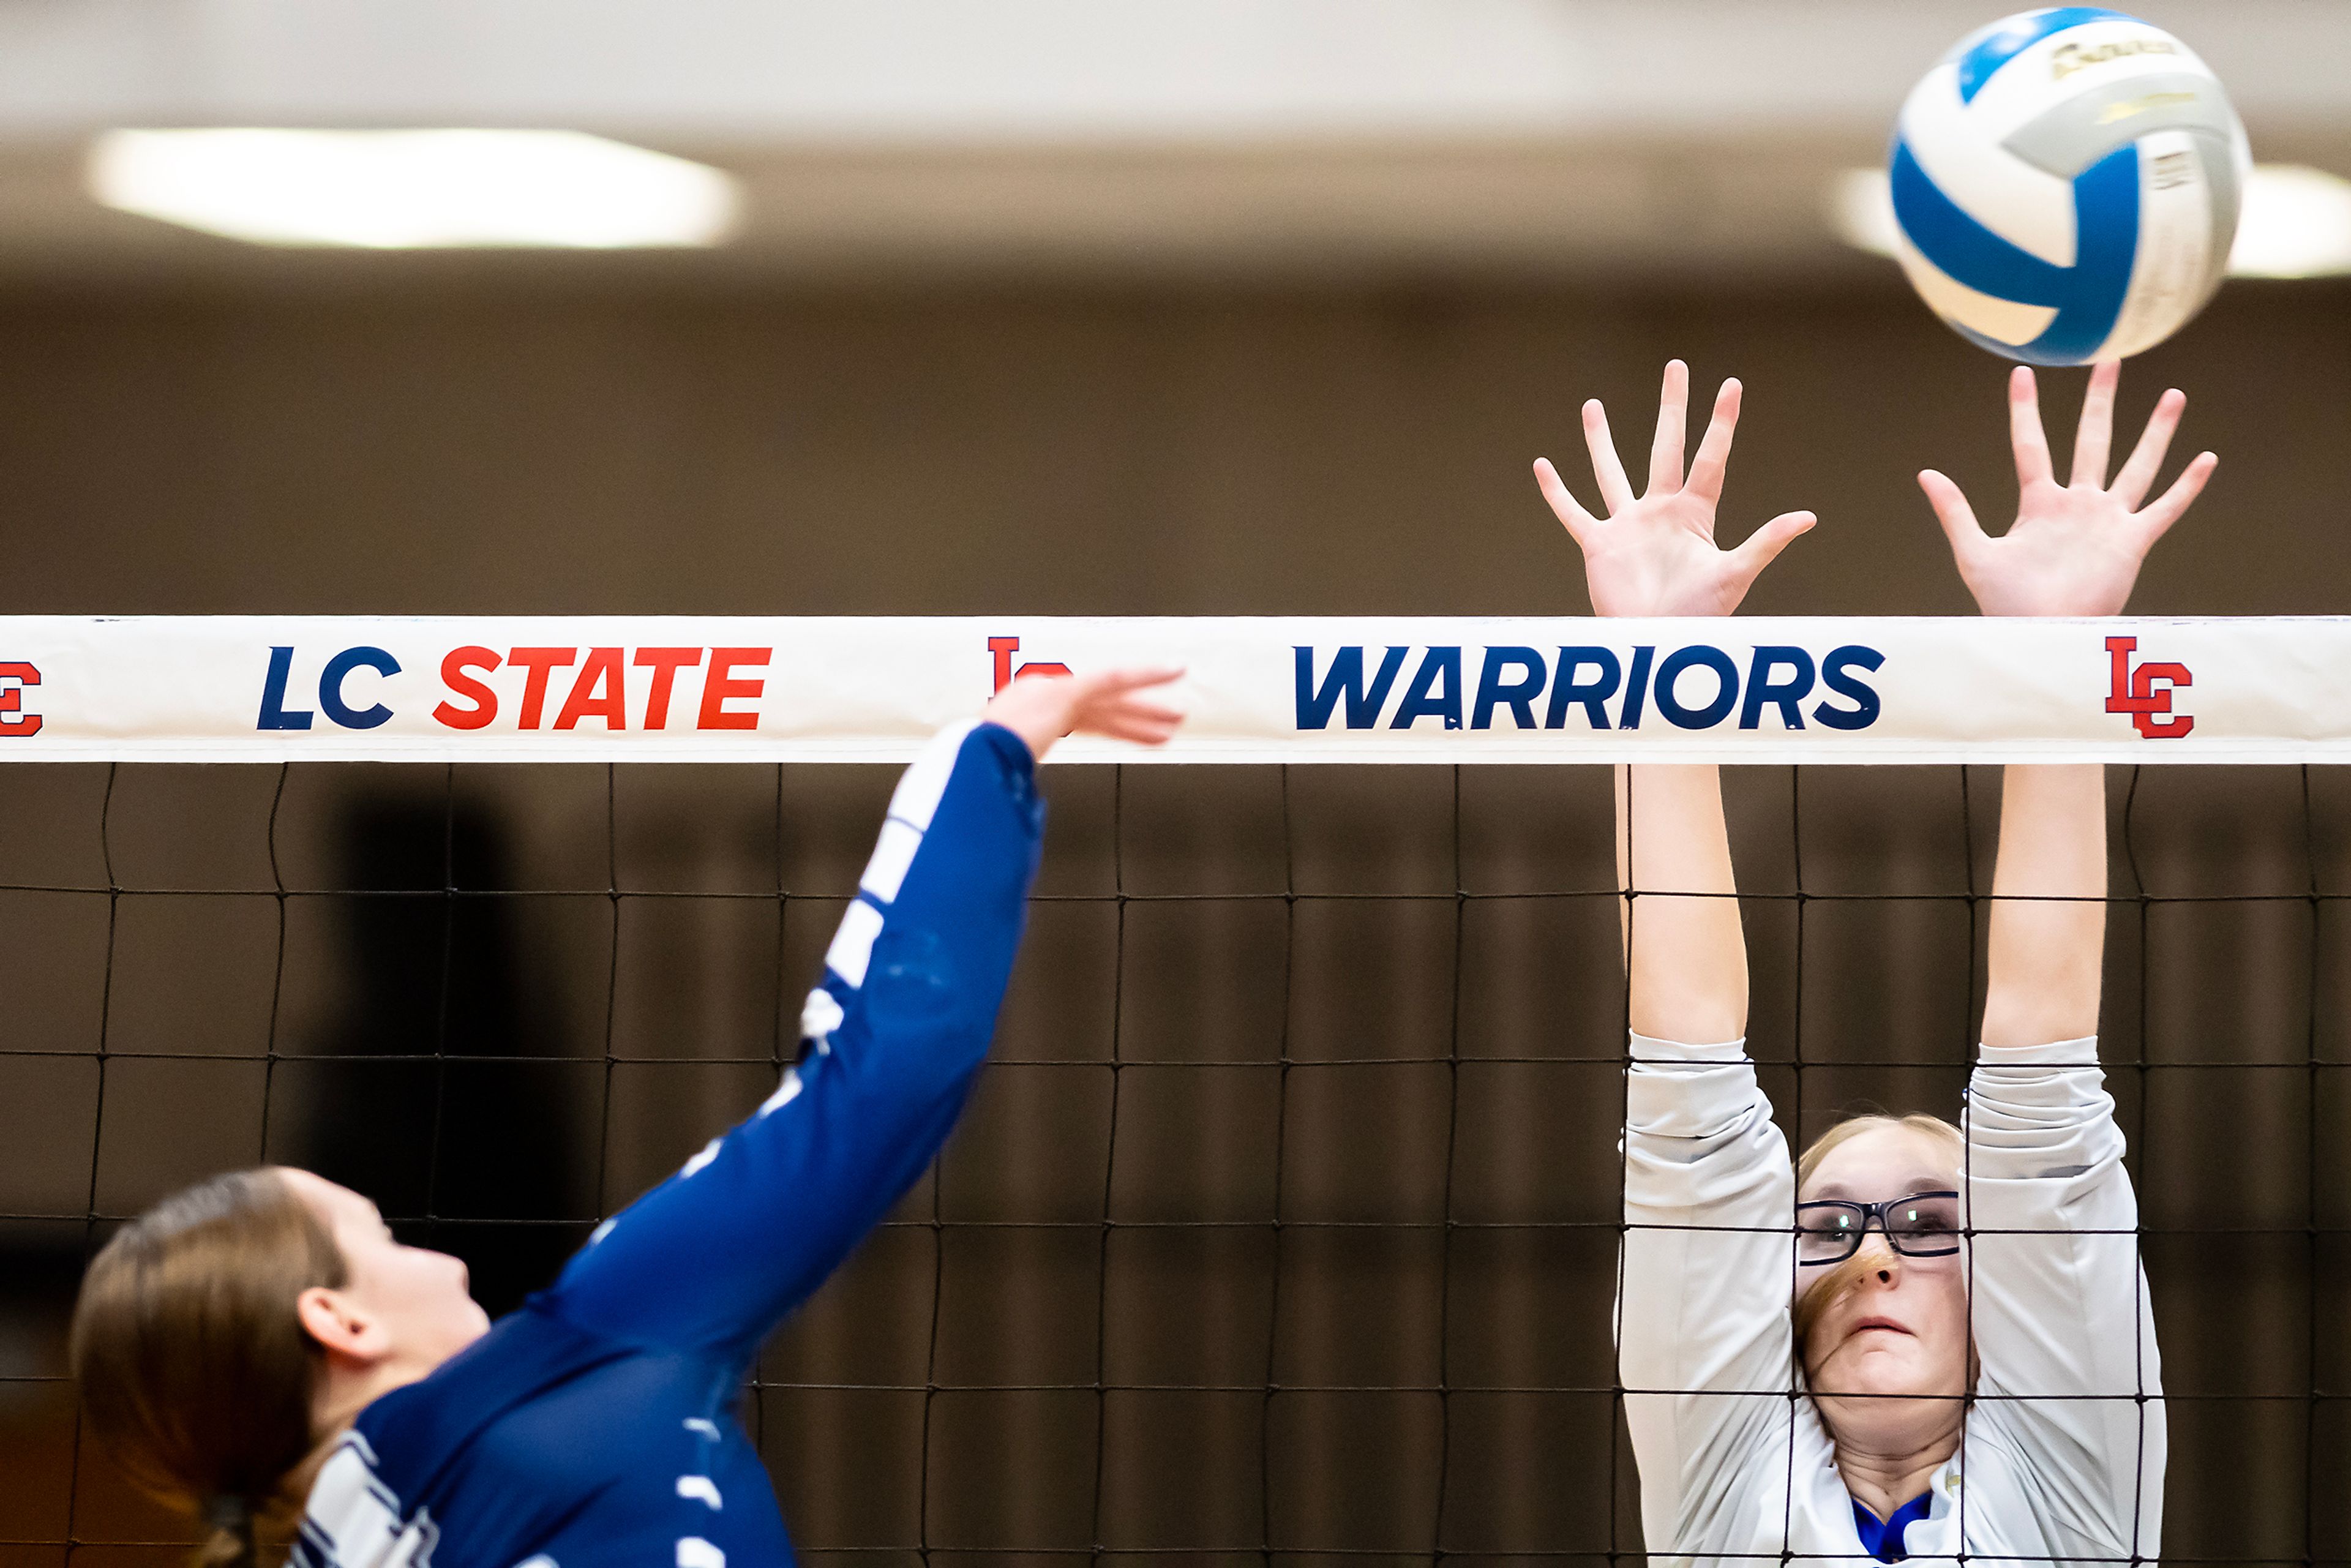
(893, 853)
(917, 799)
(852, 945)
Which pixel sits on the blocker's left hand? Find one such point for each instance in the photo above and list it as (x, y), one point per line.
(2074, 548)
(1655, 554)
(1042, 709)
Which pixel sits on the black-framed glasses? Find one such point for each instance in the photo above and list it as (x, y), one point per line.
(1923, 1225)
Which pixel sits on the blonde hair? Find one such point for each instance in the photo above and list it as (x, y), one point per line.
(1827, 1289)
(1852, 1127)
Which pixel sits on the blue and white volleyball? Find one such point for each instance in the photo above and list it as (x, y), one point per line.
(2065, 185)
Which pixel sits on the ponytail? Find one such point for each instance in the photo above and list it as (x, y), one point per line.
(228, 1538)
(194, 1370)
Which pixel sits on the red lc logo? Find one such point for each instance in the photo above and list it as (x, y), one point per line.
(1002, 648)
(2145, 692)
(15, 723)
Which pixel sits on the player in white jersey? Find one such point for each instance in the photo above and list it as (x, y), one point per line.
(1948, 1299)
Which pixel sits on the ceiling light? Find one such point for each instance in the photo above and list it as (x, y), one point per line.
(2295, 222)
(406, 190)
(1861, 209)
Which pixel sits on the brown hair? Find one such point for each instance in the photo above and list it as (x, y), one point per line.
(1848, 1274)
(194, 1370)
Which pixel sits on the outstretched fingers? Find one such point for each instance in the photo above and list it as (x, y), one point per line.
(1144, 724)
(1951, 510)
(2168, 508)
(1714, 450)
(1764, 545)
(1128, 678)
(2093, 439)
(1672, 424)
(1569, 511)
(1120, 703)
(1040, 709)
(2137, 474)
(1102, 691)
(2025, 435)
(1615, 490)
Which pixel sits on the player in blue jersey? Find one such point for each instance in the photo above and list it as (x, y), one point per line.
(259, 1350)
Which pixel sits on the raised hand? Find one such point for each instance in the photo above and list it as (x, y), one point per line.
(1042, 709)
(1656, 555)
(2076, 547)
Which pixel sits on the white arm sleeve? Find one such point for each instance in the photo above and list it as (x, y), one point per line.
(1709, 1200)
(2058, 1299)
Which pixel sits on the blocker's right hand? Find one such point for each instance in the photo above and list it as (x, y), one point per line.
(1656, 555)
(1042, 709)
(2075, 548)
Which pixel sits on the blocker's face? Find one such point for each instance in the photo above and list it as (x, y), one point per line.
(1901, 1327)
(419, 1296)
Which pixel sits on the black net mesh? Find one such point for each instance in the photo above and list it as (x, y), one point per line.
(1283, 1224)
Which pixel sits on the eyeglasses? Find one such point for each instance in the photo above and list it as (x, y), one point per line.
(1923, 1225)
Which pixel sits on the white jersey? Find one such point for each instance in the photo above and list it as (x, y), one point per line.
(2064, 1442)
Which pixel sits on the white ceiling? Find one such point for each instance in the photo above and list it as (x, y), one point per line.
(1248, 137)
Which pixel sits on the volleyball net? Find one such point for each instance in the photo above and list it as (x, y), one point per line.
(1284, 1222)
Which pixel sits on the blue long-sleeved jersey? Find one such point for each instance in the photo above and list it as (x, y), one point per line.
(595, 1426)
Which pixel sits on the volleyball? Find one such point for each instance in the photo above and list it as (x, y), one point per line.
(2066, 184)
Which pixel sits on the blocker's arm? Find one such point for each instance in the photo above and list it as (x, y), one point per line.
(2058, 1304)
(1685, 951)
(2075, 550)
(2048, 912)
(1702, 1317)
(2071, 1380)
(1656, 555)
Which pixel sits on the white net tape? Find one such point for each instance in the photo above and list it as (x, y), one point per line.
(1258, 689)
